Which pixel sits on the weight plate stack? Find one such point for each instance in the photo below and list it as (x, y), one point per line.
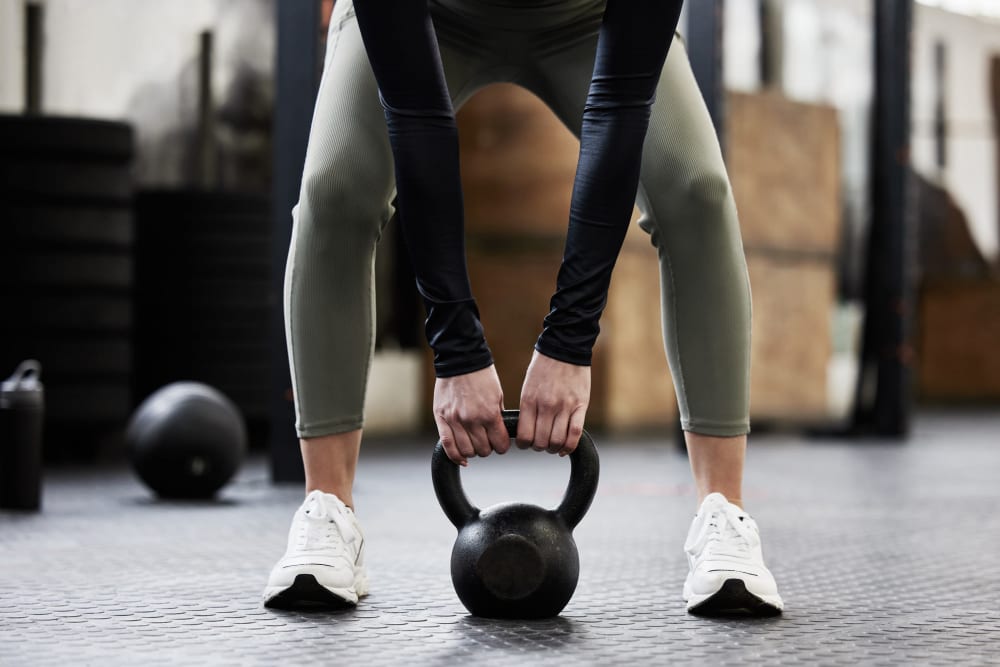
(66, 251)
(204, 295)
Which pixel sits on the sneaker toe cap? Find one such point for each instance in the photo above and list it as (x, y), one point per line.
(329, 572)
(710, 578)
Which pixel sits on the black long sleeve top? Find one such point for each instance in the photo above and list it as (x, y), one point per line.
(402, 48)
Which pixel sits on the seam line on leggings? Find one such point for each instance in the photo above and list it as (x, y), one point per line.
(293, 352)
(662, 247)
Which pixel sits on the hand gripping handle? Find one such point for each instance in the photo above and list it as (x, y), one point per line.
(583, 478)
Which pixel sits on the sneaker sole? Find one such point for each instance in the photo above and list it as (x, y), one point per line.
(307, 593)
(733, 599)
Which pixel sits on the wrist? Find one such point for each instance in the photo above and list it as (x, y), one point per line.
(564, 354)
(462, 365)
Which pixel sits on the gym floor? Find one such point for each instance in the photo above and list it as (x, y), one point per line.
(886, 554)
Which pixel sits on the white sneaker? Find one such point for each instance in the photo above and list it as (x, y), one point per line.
(728, 575)
(324, 565)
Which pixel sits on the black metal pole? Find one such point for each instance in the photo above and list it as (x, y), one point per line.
(206, 114)
(297, 73)
(883, 400)
(704, 42)
(771, 43)
(940, 108)
(34, 16)
(995, 103)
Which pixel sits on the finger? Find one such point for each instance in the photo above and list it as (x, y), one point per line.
(526, 424)
(448, 442)
(576, 421)
(480, 440)
(543, 430)
(557, 438)
(463, 442)
(498, 437)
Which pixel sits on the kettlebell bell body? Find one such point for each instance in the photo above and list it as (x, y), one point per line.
(516, 560)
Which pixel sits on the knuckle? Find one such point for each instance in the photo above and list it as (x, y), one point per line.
(548, 403)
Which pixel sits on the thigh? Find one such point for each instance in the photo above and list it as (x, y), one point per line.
(682, 150)
(348, 160)
(681, 140)
(349, 152)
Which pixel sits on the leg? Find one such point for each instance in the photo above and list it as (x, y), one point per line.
(330, 462)
(329, 316)
(329, 297)
(717, 465)
(689, 212)
(329, 293)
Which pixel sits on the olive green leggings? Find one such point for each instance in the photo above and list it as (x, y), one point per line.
(684, 196)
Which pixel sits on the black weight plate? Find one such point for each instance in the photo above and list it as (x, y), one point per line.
(170, 323)
(88, 401)
(65, 136)
(70, 355)
(34, 180)
(198, 270)
(48, 225)
(199, 226)
(164, 311)
(207, 204)
(73, 270)
(210, 294)
(30, 312)
(230, 248)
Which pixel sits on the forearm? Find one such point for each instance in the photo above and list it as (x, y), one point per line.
(632, 47)
(402, 48)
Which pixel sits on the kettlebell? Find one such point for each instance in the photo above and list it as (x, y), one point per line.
(516, 560)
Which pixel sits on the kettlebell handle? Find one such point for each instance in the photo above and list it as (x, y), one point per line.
(583, 478)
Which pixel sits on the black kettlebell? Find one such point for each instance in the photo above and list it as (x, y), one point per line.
(516, 560)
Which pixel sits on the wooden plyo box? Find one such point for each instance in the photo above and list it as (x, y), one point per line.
(959, 341)
(790, 344)
(518, 164)
(631, 386)
(784, 162)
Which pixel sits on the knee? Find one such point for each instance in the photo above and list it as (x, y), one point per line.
(698, 204)
(333, 210)
(708, 192)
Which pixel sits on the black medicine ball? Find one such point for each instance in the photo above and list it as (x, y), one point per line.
(186, 440)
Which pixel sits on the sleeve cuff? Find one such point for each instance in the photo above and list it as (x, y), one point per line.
(575, 357)
(447, 369)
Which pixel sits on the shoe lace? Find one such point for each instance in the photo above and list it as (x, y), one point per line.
(322, 515)
(729, 532)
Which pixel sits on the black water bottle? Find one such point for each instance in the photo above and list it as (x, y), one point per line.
(22, 408)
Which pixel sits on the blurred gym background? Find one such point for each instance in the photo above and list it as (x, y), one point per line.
(150, 154)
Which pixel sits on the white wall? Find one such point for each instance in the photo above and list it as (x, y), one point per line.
(11, 56)
(135, 60)
(741, 45)
(971, 171)
(829, 59)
